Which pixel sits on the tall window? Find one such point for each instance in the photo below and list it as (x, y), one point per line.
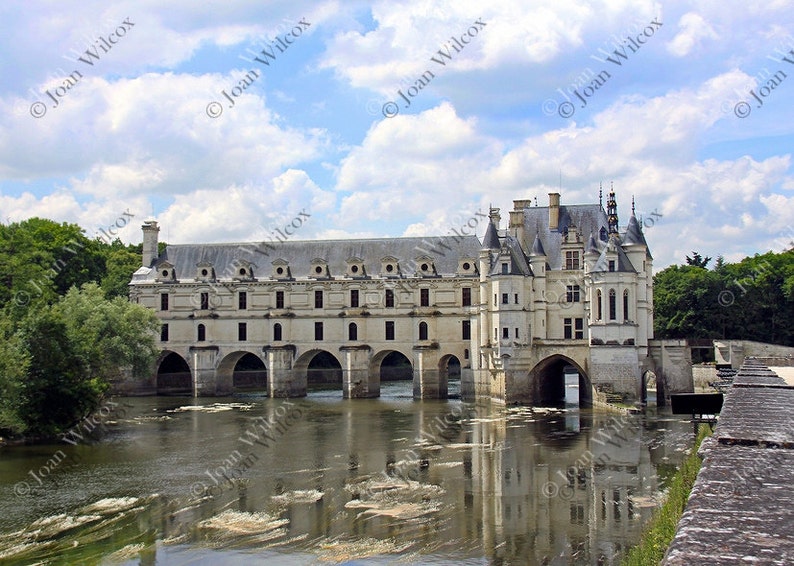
(599, 310)
(277, 332)
(567, 328)
(515, 297)
(201, 333)
(572, 260)
(352, 331)
(612, 265)
(505, 332)
(163, 301)
(466, 330)
(505, 298)
(242, 331)
(578, 328)
(279, 299)
(318, 331)
(626, 305)
(164, 333)
(354, 298)
(424, 297)
(318, 299)
(389, 299)
(466, 296)
(505, 268)
(205, 301)
(389, 330)
(242, 300)
(423, 331)
(612, 305)
(572, 294)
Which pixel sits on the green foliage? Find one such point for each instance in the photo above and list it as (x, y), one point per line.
(661, 530)
(750, 300)
(59, 346)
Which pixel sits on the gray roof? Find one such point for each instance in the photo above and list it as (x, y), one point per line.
(537, 246)
(634, 236)
(512, 252)
(586, 217)
(623, 263)
(445, 251)
(491, 239)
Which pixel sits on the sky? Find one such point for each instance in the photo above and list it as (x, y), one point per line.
(227, 120)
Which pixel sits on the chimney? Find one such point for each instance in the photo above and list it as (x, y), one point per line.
(554, 211)
(150, 231)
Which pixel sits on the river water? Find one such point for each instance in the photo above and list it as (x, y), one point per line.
(252, 480)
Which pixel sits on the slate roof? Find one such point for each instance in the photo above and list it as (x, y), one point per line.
(623, 265)
(586, 217)
(518, 261)
(446, 252)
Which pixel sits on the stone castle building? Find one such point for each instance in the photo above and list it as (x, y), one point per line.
(558, 290)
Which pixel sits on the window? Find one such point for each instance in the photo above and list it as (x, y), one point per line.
(424, 297)
(572, 294)
(466, 354)
(567, 328)
(205, 301)
(494, 299)
(612, 306)
(578, 328)
(164, 333)
(318, 331)
(318, 299)
(516, 333)
(599, 311)
(505, 268)
(279, 299)
(572, 260)
(277, 332)
(354, 297)
(201, 333)
(466, 296)
(466, 330)
(423, 331)
(242, 300)
(389, 299)
(505, 332)
(352, 331)
(515, 297)
(242, 331)
(626, 305)
(612, 265)
(505, 298)
(163, 301)
(496, 334)
(389, 330)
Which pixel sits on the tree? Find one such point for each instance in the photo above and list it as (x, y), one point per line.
(697, 261)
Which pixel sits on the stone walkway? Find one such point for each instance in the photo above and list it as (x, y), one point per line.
(741, 509)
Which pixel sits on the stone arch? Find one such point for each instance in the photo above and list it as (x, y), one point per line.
(173, 376)
(449, 369)
(240, 370)
(320, 368)
(395, 368)
(649, 382)
(548, 381)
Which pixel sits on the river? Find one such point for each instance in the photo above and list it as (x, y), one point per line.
(253, 480)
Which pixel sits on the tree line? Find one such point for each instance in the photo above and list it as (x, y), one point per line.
(749, 300)
(67, 329)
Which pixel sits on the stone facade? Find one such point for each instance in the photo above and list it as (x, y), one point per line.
(559, 287)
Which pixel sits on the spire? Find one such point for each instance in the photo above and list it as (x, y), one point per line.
(537, 246)
(491, 239)
(600, 196)
(612, 211)
(632, 205)
(634, 232)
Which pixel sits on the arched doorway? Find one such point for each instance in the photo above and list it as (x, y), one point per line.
(173, 375)
(649, 388)
(324, 372)
(559, 381)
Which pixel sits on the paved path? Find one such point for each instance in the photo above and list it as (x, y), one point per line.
(741, 509)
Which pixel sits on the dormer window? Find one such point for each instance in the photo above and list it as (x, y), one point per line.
(281, 269)
(425, 266)
(467, 266)
(243, 269)
(205, 271)
(165, 272)
(389, 267)
(355, 267)
(319, 269)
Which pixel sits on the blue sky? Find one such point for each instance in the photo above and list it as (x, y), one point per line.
(135, 130)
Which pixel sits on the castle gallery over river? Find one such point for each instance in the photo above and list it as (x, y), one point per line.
(559, 289)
